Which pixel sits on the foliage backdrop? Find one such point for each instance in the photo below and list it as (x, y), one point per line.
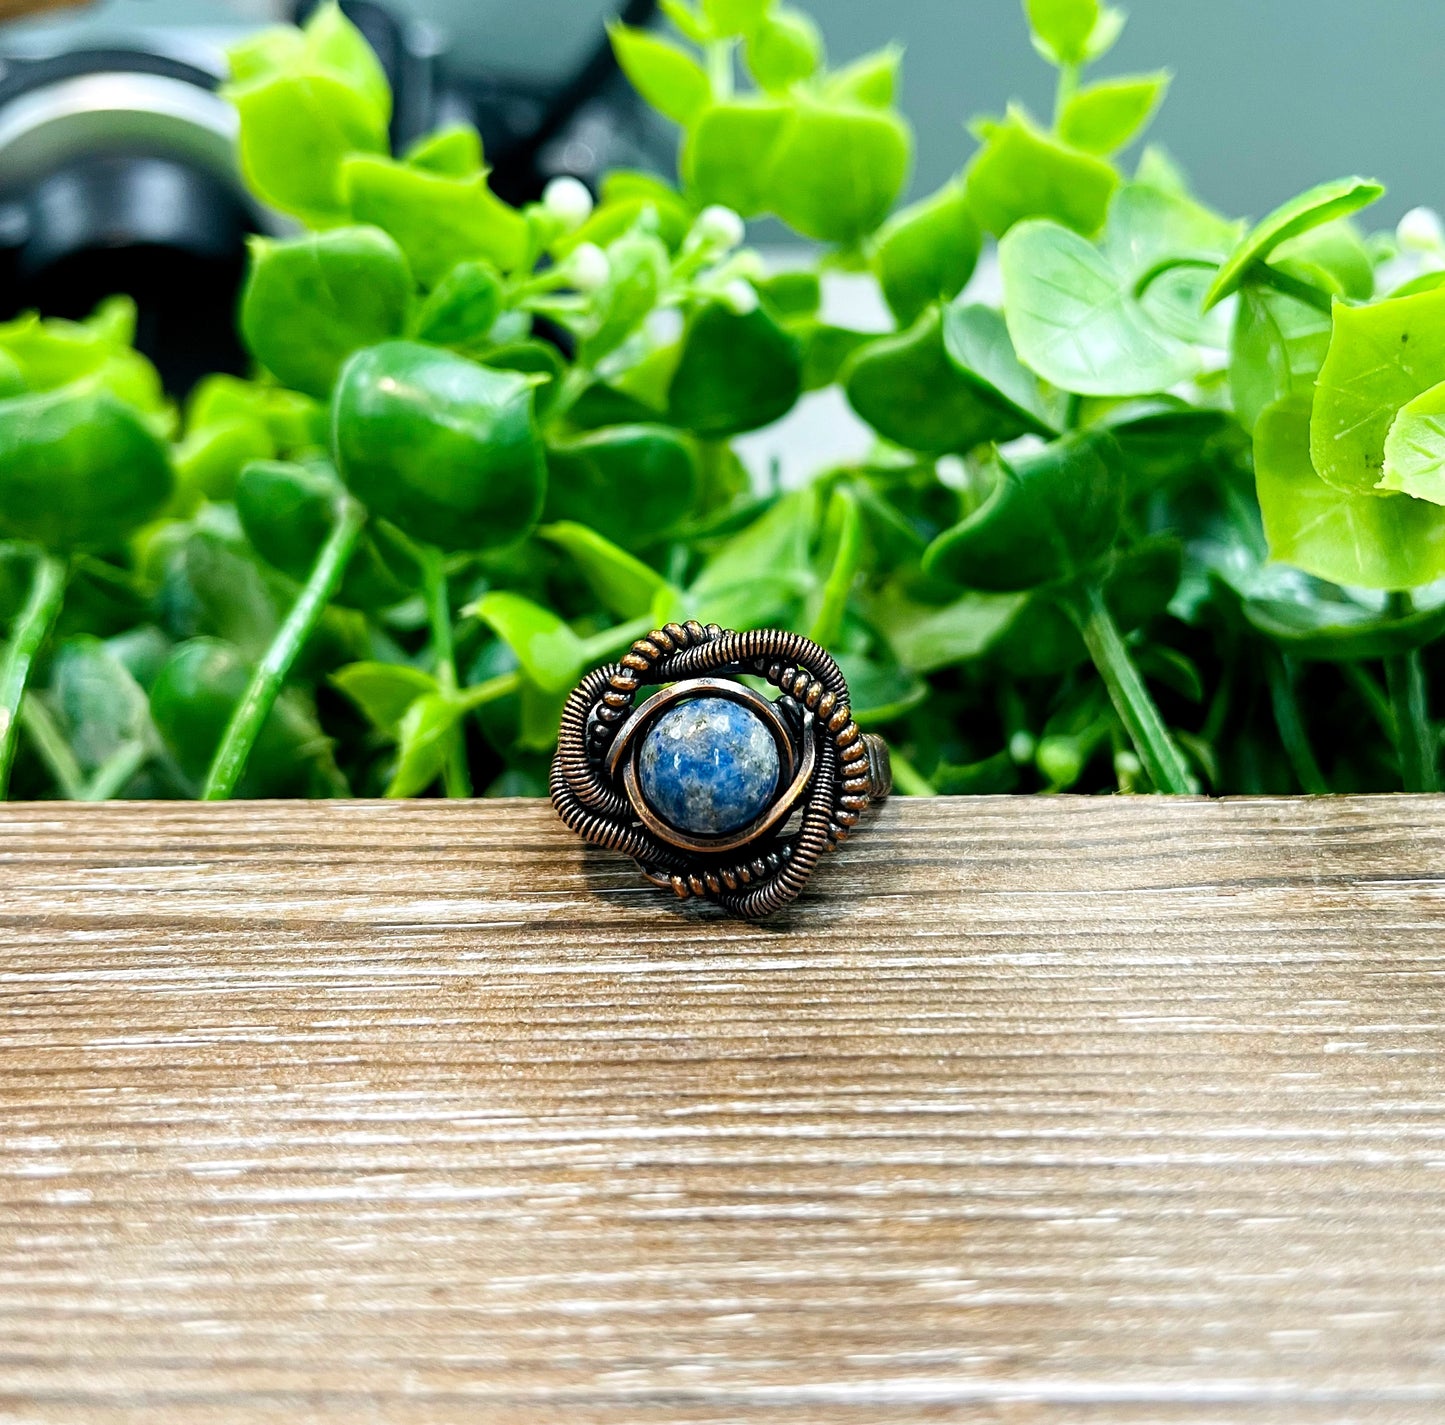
(1173, 518)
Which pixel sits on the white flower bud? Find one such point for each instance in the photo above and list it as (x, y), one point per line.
(720, 227)
(569, 201)
(740, 296)
(588, 267)
(1420, 230)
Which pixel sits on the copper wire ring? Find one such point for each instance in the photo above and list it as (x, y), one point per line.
(831, 771)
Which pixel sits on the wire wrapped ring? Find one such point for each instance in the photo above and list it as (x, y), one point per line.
(713, 789)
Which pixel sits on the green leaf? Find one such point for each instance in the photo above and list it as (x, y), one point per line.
(827, 351)
(735, 17)
(628, 195)
(1365, 540)
(209, 461)
(761, 571)
(685, 20)
(1322, 624)
(78, 469)
(908, 390)
(878, 693)
(331, 43)
(632, 483)
(306, 102)
(1165, 438)
(12, 379)
(638, 269)
(1380, 358)
(728, 155)
(385, 692)
(437, 221)
(838, 170)
(288, 513)
(927, 637)
(666, 76)
(266, 52)
(1148, 226)
(1338, 251)
(445, 449)
(455, 152)
(736, 373)
(296, 424)
(50, 353)
(991, 776)
(832, 171)
(1107, 116)
(842, 554)
(1319, 205)
(310, 301)
(1105, 34)
(1415, 448)
(1277, 347)
(531, 357)
(1425, 282)
(192, 701)
(101, 707)
(1075, 321)
(1021, 173)
(926, 253)
(1049, 517)
(1157, 168)
(871, 81)
(624, 584)
(792, 294)
(784, 50)
(462, 308)
(1063, 28)
(296, 133)
(977, 343)
(1165, 245)
(425, 740)
(551, 656)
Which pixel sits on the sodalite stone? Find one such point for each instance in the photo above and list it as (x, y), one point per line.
(709, 766)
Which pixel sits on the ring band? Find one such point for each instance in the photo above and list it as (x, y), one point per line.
(715, 790)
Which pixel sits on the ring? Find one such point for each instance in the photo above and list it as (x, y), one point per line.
(715, 790)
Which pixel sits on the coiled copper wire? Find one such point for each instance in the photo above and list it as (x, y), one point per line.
(852, 767)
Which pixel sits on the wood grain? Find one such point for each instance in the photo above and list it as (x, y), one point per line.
(1110, 1111)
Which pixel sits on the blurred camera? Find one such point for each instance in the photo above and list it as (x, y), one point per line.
(117, 153)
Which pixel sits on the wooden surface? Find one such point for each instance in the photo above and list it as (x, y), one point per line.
(1115, 1111)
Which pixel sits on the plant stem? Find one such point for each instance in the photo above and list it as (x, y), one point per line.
(1297, 288)
(1157, 750)
(456, 775)
(1291, 724)
(1414, 736)
(1065, 90)
(115, 772)
(229, 763)
(27, 637)
(908, 781)
(720, 68)
(49, 742)
(1375, 700)
(600, 646)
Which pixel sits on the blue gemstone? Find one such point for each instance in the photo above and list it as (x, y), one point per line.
(709, 766)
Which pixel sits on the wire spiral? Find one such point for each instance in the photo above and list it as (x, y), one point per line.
(756, 880)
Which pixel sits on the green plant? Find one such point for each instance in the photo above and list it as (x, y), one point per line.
(1173, 518)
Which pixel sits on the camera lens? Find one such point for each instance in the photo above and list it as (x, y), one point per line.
(117, 175)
